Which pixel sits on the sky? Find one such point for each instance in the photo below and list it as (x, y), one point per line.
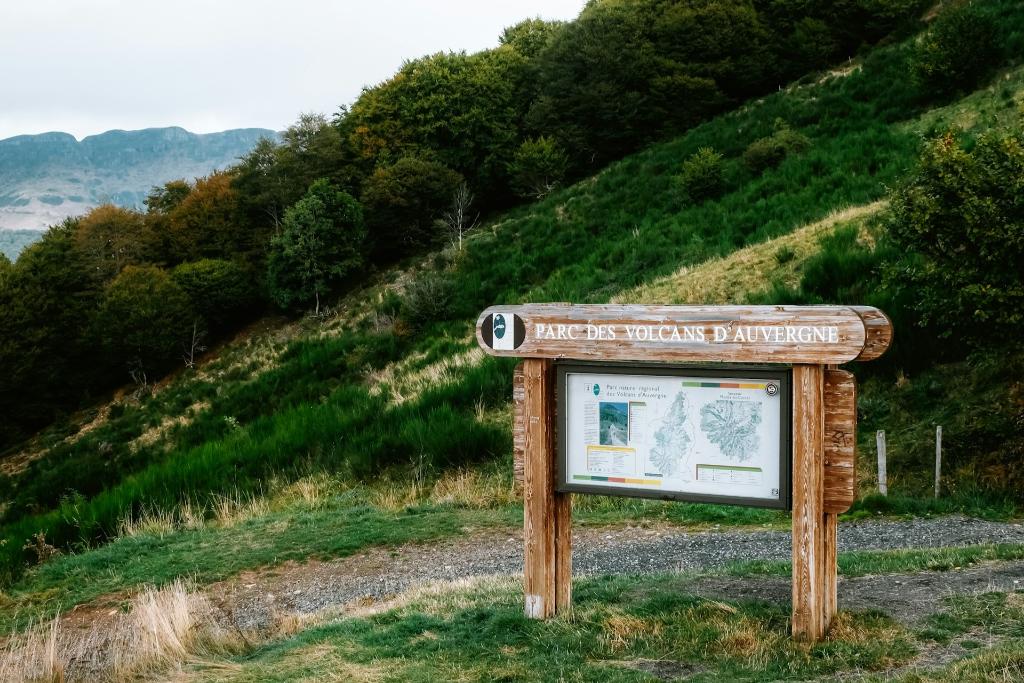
(88, 66)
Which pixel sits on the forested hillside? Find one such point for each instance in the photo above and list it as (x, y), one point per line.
(575, 162)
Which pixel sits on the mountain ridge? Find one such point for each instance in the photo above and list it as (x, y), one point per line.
(49, 176)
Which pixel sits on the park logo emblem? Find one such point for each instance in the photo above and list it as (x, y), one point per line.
(503, 331)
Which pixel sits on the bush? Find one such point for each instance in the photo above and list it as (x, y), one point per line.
(769, 152)
(538, 167)
(221, 291)
(963, 212)
(428, 298)
(958, 50)
(145, 318)
(701, 175)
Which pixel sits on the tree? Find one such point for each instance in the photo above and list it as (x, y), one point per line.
(207, 223)
(165, 198)
(49, 359)
(321, 242)
(957, 51)
(221, 291)
(538, 167)
(463, 111)
(402, 202)
(961, 217)
(145, 320)
(459, 220)
(111, 238)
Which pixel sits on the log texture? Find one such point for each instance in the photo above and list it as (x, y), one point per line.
(751, 334)
(840, 440)
(518, 424)
(546, 514)
(809, 548)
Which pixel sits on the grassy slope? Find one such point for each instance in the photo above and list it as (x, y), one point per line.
(351, 396)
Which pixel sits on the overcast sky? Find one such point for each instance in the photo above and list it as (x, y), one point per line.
(87, 66)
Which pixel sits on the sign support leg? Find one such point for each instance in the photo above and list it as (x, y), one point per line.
(547, 570)
(810, 560)
(830, 570)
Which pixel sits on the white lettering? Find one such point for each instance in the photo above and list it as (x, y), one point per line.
(721, 334)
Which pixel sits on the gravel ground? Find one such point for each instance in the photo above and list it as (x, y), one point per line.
(256, 599)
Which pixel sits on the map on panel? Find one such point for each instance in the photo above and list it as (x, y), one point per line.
(712, 436)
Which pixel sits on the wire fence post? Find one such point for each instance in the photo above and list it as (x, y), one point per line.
(883, 486)
(938, 458)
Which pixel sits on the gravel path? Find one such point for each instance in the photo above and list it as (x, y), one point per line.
(254, 599)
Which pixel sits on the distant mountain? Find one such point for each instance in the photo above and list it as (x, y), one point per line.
(45, 178)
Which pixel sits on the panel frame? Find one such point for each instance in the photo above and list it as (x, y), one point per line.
(777, 373)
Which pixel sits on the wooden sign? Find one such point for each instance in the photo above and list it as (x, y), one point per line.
(822, 415)
(749, 334)
(840, 440)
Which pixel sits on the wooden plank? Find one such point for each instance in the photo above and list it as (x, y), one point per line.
(518, 426)
(808, 502)
(546, 514)
(563, 552)
(878, 330)
(538, 491)
(830, 570)
(754, 334)
(840, 440)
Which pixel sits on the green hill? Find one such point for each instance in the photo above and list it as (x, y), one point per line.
(381, 422)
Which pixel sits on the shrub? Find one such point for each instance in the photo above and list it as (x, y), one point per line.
(957, 51)
(769, 152)
(538, 167)
(963, 212)
(220, 291)
(428, 298)
(701, 175)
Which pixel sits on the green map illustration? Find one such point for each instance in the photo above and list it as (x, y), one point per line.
(732, 426)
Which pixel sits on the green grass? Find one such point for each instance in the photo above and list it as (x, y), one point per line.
(863, 563)
(617, 625)
(312, 408)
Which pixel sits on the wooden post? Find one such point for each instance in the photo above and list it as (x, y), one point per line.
(883, 486)
(938, 458)
(546, 514)
(809, 520)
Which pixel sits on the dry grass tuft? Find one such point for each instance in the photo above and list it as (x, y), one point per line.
(621, 630)
(158, 522)
(405, 380)
(474, 489)
(164, 628)
(232, 509)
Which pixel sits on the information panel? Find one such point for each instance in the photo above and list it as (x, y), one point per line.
(707, 435)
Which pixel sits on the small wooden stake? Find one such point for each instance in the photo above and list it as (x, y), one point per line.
(883, 486)
(546, 514)
(809, 544)
(938, 458)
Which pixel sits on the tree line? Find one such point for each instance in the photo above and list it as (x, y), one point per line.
(124, 294)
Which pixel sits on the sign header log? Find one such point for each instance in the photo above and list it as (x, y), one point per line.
(820, 335)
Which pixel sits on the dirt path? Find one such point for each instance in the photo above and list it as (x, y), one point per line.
(256, 599)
